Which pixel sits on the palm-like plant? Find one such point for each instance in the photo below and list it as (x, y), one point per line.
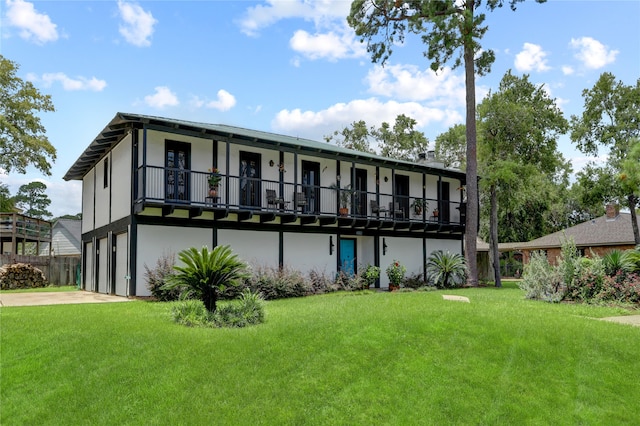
(446, 270)
(207, 273)
(617, 260)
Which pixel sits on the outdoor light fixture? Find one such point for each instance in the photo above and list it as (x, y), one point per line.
(331, 245)
(384, 246)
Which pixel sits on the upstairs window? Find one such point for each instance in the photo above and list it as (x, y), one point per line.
(105, 173)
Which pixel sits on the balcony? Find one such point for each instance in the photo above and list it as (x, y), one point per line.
(176, 189)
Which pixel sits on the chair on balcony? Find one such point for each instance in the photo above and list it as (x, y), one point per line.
(299, 200)
(274, 201)
(398, 213)
(376, 209)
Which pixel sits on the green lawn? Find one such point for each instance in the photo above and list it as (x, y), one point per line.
(339, 359)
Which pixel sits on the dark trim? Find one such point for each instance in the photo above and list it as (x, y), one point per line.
(376, 256)
(281, 249)
(117, 227)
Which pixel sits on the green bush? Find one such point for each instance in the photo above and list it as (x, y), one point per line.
(540, 280)
(414, 281)
(191, 312)
(159, 276)
(205, 274)
(620, 288)
(249, 310)
(350, 282)
(320, 282)
(618, 261)
(446, 270)
(278, 283)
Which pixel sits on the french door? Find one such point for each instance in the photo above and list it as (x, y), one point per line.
(177, 166)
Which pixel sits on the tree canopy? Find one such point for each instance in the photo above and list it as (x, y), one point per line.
(22, 136)
(451, 32)
(611, 121)
(32, 200)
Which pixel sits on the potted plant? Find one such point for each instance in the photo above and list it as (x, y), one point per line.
(370, 275)
(418, 205)
(395, 272)
(214, 180)
(435, 212)
(345, 198)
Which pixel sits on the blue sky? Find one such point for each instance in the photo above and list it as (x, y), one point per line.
(292, 67)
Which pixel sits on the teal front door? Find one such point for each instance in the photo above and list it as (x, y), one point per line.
(348, 256)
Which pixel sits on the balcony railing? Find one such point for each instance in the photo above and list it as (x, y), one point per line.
(169, 186)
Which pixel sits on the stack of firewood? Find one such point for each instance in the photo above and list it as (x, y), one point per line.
(21, 275)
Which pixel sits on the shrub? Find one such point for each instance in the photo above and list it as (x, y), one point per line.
(622, 287)
(617, 261)
(249, 310)
(396, 272)
(446, 270)
(587, 280)
(207, 273)
(278, 283)
(540, 280)
(568, 263)
(320, 282)
(414, 281)
(350, 282)
(370, 275)
(159, 276)
(191, 312)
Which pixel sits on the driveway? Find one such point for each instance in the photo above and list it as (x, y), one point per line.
(57, 298)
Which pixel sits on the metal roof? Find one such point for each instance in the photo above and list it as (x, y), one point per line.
(122, 123)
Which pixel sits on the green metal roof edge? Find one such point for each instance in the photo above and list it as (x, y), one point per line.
(96, 150)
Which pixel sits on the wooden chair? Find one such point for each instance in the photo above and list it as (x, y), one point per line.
(299, 200)
(274, 200)
(398, 213)
(376, 209)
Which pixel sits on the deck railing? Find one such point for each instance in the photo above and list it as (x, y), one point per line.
(170, 186)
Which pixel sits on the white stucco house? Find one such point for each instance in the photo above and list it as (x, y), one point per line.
(146, 193)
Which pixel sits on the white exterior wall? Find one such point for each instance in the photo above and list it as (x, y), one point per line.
(407, 251)
(452, 246)
(366, 251)
(121, 179)
(254, 247)
(307, 252)
(87, 201)
(154, 241)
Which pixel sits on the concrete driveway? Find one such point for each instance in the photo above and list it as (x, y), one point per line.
(57, 298)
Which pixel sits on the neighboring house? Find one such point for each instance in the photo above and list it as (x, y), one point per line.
(597, 236)
(146, 193)
(66, 237)
(22, 235)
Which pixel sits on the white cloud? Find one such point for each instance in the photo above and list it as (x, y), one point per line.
(408, 82)
(321, 12)
(79, 83)
(331, 45)
(138, 24)
(531, 58)
(314, 125)
(162, 98)
(567, 70)
(224, 102)
(33, 25)
(592, 53)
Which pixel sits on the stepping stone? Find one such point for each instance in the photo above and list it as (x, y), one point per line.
(456, 298)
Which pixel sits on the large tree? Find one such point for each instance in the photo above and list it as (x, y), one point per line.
(519, 126)
(22, 136)
(33, 201)
(451, 147)
(451, 31)
(610, 120)
(355, 136)
(7, 203)
(401, 141)
(630, 180)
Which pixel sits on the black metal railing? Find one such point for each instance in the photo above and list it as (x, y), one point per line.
(170, 186)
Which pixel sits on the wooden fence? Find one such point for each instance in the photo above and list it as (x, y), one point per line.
(59, 270)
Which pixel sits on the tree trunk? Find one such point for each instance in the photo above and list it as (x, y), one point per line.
(633, 202)
(471, 228)
(209, 298)
(493, 236)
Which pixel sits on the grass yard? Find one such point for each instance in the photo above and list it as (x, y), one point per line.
(338, 359)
